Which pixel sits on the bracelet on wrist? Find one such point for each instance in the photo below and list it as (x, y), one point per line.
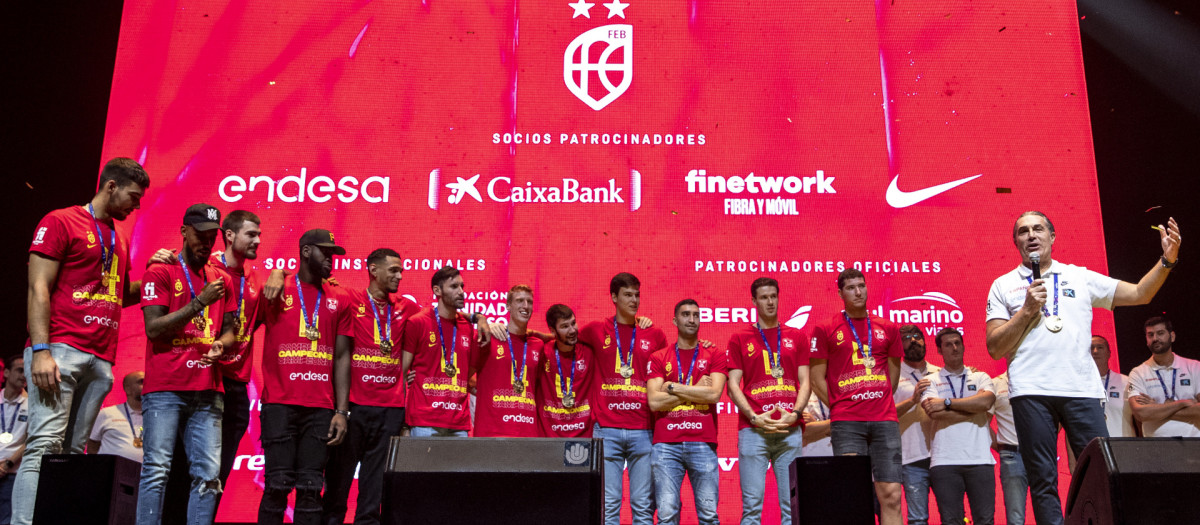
(39, 347)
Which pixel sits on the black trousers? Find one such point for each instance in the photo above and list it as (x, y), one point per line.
(367, 441)
(293, 440)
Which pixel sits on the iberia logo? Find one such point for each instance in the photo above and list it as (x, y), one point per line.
(598, 64)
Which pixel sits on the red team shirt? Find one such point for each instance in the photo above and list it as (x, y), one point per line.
(619, 402)
(237, 362)
(84, 313)
(688, 421)
(855, 395)
(375, 376)
(297, 371)
(555, 420)
(435, 399)
(763, 392)
(499, 410)
(175, 365)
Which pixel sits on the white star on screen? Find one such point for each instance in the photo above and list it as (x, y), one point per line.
(581, 8)
(616, 8)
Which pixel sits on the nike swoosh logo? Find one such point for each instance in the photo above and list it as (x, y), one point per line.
(903, 199)
(91, 246)
(177, 294)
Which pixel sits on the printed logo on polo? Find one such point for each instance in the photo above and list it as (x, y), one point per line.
(332, 305)
(148, 293)
(931, 311)
(503, 189)
(40, 237)
(765, 195)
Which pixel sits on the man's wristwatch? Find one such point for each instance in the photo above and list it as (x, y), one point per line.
(1169, 265)
(342, 412)
(948, 403)
(753, 420)
(671, 388)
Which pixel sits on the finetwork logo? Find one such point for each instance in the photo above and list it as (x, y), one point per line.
(598, 64)
(699, 181)
(565, 191)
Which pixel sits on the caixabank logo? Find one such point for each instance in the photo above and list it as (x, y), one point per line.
(598, 64)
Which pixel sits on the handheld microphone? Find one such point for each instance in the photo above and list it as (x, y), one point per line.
(1036, 260)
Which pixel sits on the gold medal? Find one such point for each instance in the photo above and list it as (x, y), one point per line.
(137, 442)
(450, 370)
(626, 371)
(201, 322)
(519, 388)
(569, 400)
(777, 372)
(869, 362)
(385, 346)
(312, 333)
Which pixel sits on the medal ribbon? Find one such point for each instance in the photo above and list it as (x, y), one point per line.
(375, 310)
(1044, 311)
(678, 371)
(442, 337)
(187, 277)
(865, 349)
(1174, 389)
(129, 419)
(241, 296)
(106, 251)
(777, 356)
(632, 341)
(1109, 376)
(12, 423)
(962, 385)
(304, 309)
(821, 408)
(570, 386)
(519, 377)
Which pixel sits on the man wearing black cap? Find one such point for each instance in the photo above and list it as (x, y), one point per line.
(189, 321)
(306, 376)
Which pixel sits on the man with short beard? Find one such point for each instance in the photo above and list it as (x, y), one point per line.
(915, 426)
(1163, 390)
(439, 345)
(78, 269)
(376, 391)
(564, 380)
(306, 376)
(1118, 414)
(506, 406)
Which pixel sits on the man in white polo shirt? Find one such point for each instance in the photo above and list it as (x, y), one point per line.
(961, 459)
(1012, 469)
(118, 429)
(1118, 414)
(916, 428)
(1163, 390)
(817, 429)
(1039, 318)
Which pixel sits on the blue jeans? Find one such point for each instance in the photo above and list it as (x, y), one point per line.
(1015, 485)
(68, 415)
(756, 451)
(6, 489)
(699, 461)
(916, 491)
(199, 414)
(424, 432)
(625, 446)
(1037, 420)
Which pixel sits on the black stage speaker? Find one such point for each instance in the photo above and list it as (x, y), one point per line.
(1134, 481)
(832, 489)
(494, 480)
(92, 489)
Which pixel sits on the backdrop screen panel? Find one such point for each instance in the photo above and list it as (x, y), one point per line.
(698, 145)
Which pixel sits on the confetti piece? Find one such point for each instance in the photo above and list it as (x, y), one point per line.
(1003, 190)
(1153, 227)
(1002, 29)
(30, 185)
(271, 82)
(789, 119)
(673, 212)
(1152, 208)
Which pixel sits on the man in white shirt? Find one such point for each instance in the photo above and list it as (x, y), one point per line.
(961, 459)
(916, 428)
(1012, 469)
(1163, 390)
(14, 416)
(816, 429)
(1043, 328)
(118, 428)
(1118, 414)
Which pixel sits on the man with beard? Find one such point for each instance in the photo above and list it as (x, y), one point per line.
(1043, 328)
(564, 380)
(439, 345)
(376, 391)
(185, 308)
(684, 386)
(768, 381)
(856, 367)
(78, 269)
(306, 376)
(1118, 414)
(119, 428)
(915, 426)
(1163, 390)
(506, 406)
(14, 420)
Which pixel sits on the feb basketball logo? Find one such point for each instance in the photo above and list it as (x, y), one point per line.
(598, 64)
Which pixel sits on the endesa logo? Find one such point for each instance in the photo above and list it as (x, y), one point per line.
(517, 418)
(567, 427)
(505, 189)
(308, 376)
(686, 425)
(293, 188)
(864, 396)
(102, 321)
(447, 405)
(932, 311)
(387, 380)
(624, 406)
(699, 181)
(195, 363)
